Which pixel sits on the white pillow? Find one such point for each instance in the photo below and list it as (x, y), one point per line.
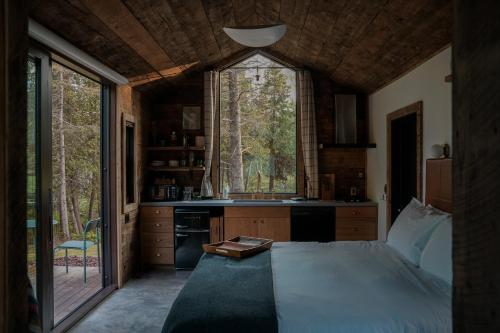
(436, 256)
(412, 229)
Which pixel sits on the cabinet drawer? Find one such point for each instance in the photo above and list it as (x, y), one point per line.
(157, 225)
(157, 212)
(255, 212)
(158, 255)
(160, 239)
(356, 211)
(361, 229)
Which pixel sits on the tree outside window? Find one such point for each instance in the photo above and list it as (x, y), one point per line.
(258, 127)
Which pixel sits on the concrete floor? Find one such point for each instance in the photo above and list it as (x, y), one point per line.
(141, 305)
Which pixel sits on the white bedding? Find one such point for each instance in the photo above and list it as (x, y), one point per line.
(355, 287)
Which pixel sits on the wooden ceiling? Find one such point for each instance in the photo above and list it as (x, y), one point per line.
(364, 44)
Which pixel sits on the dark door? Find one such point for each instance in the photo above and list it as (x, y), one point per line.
(403, 163)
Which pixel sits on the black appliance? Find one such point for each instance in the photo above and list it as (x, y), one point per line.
(192, 230)
(313, 224)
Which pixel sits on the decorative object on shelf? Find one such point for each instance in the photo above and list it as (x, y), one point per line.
(199, 141)
(191, 159)
(173, 139)
(163, 143)
(156, 163)
(191, 117)
(256, 36)
(440, 151)
(173, 163)
(185, 141)
(187, 193)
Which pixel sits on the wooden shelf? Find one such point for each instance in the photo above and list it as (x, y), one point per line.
(176, 148)
(175, 169)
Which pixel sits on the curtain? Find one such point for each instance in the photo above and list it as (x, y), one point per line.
(210, 87)
(308, 134)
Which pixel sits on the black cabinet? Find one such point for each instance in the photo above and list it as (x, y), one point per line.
(313, 224)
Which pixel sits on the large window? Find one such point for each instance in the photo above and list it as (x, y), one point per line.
(258, 127)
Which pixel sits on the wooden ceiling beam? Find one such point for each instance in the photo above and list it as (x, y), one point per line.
(115, 15)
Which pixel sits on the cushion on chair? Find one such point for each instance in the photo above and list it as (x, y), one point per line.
(75, 244)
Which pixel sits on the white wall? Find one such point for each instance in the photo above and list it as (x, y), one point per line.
(424, 83)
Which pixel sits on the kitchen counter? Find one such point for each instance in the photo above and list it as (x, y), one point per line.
(259, 203)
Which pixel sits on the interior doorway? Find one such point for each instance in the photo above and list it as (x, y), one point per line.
(404, 159)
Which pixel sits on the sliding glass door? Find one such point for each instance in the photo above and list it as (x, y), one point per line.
(67, 220)
(76, 189)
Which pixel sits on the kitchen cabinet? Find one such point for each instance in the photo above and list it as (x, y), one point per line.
(263, 222)
(216, 229)
(157, 235)
(356, 223)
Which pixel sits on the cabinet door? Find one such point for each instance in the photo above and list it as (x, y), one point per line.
(240, 226)
(216, 229)
(277, 229)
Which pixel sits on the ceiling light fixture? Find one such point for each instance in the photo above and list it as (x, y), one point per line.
(256, 36)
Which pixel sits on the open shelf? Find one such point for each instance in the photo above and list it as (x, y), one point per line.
(175, 169)
(176, 148)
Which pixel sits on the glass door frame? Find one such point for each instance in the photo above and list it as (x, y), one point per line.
(44, 235)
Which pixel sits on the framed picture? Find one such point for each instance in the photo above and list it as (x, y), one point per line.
(191, 117)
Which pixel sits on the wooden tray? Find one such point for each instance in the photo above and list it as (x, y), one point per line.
(239, 247)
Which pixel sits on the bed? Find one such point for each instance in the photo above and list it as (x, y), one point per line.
(317, 287)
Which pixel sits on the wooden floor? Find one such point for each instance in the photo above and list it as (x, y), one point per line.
(69, 290)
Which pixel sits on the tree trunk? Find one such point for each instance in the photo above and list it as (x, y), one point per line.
(75, 203)
(236, 159)
(62, 160)
(91, 200)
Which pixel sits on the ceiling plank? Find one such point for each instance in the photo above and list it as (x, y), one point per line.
(75, 23)
(220, 14)
(158, 19)
(118, 18)
(191, 16)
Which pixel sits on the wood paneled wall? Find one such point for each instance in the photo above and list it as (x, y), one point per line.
(476, 166)
(348, 165)
(134, 103)
(13, 272)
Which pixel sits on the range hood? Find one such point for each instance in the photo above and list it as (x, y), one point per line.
(345, 119)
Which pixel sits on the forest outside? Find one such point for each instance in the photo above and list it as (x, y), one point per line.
(76, 158)
(258, 127)
(76, 152)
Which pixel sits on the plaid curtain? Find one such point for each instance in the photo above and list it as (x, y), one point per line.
(308, 134)
(211, 87)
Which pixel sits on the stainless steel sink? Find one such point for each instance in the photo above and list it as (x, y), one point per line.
(256, 200)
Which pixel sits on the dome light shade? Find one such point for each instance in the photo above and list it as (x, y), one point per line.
(257, 36)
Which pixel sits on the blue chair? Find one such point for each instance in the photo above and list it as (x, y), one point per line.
(83, 245)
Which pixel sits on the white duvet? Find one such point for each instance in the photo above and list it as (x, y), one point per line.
(355, 287)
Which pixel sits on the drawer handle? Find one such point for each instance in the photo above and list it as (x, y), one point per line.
(158, 255)
(158, 240)
(157, 212)
(354, 212)
(158, 225)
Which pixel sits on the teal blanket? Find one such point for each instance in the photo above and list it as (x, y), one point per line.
(226, 295)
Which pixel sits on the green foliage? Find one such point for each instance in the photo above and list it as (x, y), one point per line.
(268, 125)
(82, 135)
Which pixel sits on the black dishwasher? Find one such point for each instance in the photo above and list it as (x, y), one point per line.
(313, 224)
(192, 230)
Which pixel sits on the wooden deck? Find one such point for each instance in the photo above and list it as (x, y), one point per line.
(69, 290)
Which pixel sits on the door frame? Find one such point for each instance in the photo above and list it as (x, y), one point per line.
(45, 287)
(415, 108)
